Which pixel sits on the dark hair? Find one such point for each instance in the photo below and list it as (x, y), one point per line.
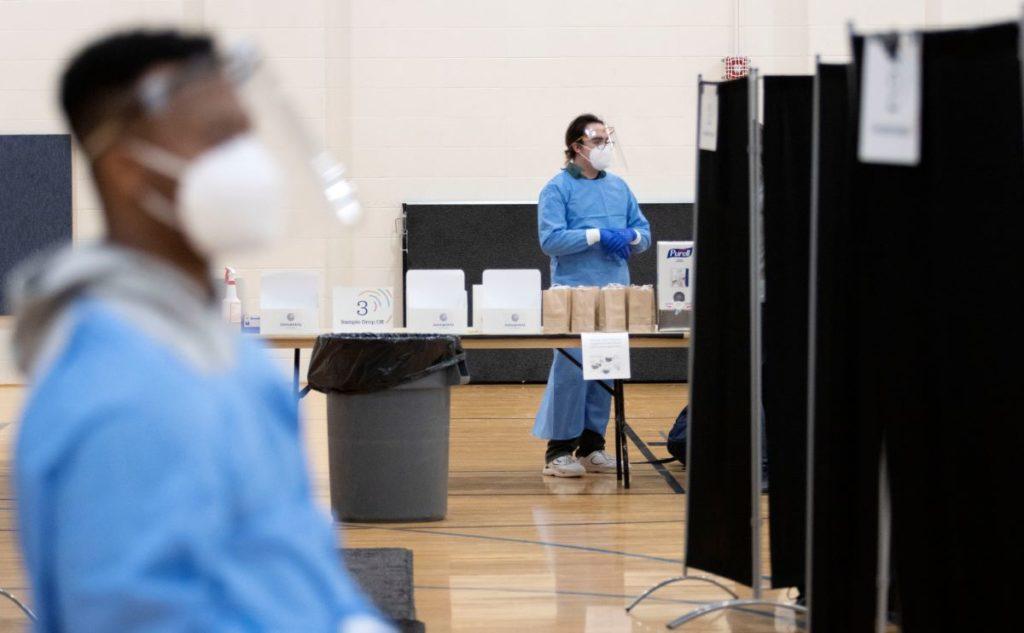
(100, 72)
(575, 132)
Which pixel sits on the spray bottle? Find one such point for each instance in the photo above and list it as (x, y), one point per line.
(232, 306)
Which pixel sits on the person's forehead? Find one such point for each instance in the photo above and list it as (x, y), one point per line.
(196, 114)
(203, 96)
(595, 129)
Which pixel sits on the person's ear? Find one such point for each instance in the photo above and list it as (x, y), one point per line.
(120, 174)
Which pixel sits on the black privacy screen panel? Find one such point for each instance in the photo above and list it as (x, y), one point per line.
(941, 358)
(718, 532)
(846, 443)
(35, 198)
(786, 159)
(476, 237)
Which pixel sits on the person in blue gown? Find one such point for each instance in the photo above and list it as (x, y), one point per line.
(159, 473)
(589, 223)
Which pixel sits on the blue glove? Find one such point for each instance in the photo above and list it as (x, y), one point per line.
(628, 235)
(614, 243)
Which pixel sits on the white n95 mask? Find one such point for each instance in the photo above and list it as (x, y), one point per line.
(230, 198)
(601, 157)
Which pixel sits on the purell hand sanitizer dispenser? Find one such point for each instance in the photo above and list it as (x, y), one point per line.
(675, 285)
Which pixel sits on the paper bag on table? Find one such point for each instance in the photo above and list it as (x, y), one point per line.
(642, 315)
(584, 309)
(611, 309)
(557, 309)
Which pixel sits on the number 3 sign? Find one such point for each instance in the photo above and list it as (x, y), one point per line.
(363, 309)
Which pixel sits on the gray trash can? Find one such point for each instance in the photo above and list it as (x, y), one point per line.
(388, 415)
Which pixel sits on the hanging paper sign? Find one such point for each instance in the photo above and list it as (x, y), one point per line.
(890, 107)
(708, 117)
(606, 356)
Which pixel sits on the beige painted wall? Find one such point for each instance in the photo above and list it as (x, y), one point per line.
(430, 100)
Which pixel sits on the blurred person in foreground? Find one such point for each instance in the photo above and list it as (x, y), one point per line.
(160, 478)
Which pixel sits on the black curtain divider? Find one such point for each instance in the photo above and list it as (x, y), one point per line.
(786, 160)
(941, 360)
(719, 470)
(846, 445)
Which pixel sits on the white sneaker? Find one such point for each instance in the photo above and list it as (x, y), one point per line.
(564, 466)
(599, 462)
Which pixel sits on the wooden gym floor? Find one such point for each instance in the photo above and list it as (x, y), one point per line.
(518, 551)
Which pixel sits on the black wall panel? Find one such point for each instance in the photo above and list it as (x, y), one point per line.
(35, 197)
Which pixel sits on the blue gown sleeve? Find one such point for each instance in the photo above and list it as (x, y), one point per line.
(635, 220)
(556, 238)
(137, 513)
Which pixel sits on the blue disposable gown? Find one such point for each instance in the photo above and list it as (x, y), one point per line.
(155, 498)
(569, 205)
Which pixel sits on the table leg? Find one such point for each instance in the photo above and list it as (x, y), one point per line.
(619, 448)
(620, 430)
(295, 375)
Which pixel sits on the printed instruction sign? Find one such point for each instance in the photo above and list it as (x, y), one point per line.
(890, 107)
(708, 117)
(363, 309)
(606, 356)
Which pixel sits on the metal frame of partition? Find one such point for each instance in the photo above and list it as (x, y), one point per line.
(7, 594)
(812, 323)
(18, 603)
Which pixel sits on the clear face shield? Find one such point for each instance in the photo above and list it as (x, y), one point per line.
(604, 145)
(226, 119)
(319, 177)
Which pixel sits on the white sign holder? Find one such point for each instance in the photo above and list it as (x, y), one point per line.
(436, 301)
(511, 302)
(289, 302)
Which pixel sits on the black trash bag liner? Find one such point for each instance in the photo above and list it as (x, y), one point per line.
(365, 363)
